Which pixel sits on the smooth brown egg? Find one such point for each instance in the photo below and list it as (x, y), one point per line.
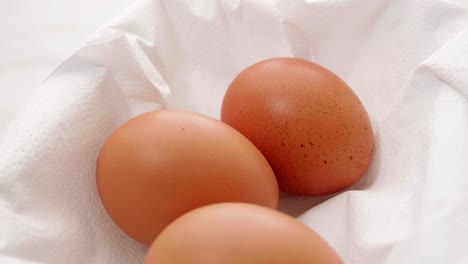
(309, 124)
(163, 164)
(236, 233)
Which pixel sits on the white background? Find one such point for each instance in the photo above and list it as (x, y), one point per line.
(406, 59)
(36, 36)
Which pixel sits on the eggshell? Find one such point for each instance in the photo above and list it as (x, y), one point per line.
(163, 164)
(236, 233)
(309, 124)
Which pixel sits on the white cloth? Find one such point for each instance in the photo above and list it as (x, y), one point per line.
(35, 36)
(406, 60)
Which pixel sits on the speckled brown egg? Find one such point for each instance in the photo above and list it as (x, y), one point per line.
(236, 233)
(309, 124)
(162, 164)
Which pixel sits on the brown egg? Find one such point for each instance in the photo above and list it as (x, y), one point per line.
(236, 233)
(163, 164)
(308, 123)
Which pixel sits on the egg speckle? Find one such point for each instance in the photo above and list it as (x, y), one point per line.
(293, 109)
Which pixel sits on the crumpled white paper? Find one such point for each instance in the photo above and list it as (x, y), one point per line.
(406, 60)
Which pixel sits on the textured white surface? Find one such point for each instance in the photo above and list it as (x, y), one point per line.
(35, 36)
(407, 61)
